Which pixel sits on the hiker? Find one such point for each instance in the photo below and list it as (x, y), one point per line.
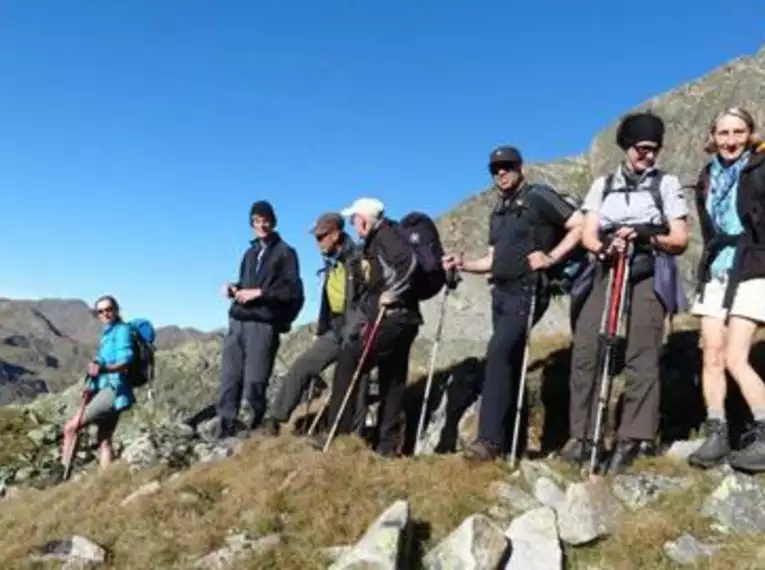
(731, 283)
(341, 271)
(629, 206)
(108, 391)
(265, 301)
(388, 267)
(521, 249)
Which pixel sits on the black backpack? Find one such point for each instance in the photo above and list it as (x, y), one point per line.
(420, 232)
(654, 189)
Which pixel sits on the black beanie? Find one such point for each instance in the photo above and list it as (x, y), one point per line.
(264, 209)
(639, 127)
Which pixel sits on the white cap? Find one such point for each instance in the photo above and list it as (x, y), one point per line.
(371, 207)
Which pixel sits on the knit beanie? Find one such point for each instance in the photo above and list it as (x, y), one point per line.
(263, 209)
(640, 127)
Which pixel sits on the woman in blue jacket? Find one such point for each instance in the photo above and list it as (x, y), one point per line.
(108, 390)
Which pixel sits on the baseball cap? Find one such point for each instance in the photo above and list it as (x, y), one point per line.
(371, 207)
(505, 154)
(327, 222)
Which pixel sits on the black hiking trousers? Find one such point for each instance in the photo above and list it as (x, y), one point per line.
(389, 352)
(504, 361)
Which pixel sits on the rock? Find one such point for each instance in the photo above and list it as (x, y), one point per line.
(206, 451)
(24, 474)
(431, 434)
(512, 497)
(44, 435)
(144, 490)
(736, 505)
(534, 541)
(533, 470)
(639, 490)
(548, 493)
(590, 511)
(682, 449)
(476, 544)
(384, 544)
(74, 549)
(687, 550)
(237, 546)
(334, 553)
(141, 452)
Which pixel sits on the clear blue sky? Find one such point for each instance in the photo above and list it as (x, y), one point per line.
(135, 135)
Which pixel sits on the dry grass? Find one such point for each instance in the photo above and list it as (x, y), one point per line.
(332, 501)
(14, 425)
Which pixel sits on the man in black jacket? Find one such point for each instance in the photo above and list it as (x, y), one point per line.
(342, 265)
(263, 305)
(388, 266)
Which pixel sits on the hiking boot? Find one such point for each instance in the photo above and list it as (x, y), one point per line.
(271, 427)
(624, 455)
(576, 451)
(715, 447)
(482, 450)
(752, 457)
(224, 430)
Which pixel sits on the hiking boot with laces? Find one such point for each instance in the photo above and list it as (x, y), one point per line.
(576, 451)
(482, 450)
(715, 447)
(752, 457)
(627, 450)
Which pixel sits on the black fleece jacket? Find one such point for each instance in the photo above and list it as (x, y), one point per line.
(278, 278)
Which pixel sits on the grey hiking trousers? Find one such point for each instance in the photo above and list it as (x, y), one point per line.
(249, 350)
(640, 416)
(312, 362)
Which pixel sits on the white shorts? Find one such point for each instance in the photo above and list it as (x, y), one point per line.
(749, 301)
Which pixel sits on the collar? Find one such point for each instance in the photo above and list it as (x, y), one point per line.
(624, 175)
(270, 241)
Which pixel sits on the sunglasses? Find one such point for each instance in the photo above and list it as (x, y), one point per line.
(104, 310)
(321, 236)
(496, 167)
(647, 149)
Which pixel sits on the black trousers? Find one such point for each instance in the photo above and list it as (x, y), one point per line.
(389, 352)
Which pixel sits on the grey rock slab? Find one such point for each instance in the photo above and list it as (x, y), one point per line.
(637, 491)
(514, 498)
(141, 452)
(534, 469)
(687, 550)
(476, 544)
(737, 505)
(534, 541)
(383, 545)
(589, 512)
(682, 449)
(548, 493)
(149, 488)
(75, 549)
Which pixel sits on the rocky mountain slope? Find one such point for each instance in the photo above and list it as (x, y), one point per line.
(46, 344)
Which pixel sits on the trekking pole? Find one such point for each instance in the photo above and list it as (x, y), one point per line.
(522, 383)
(354, 379)
(612, 316)
(69, 457)
(452, 279)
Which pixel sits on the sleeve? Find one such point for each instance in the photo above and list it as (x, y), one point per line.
(594, 198)
(673, 196)
(286, 286)
(398, 262)
(123, 345)
(552, 206)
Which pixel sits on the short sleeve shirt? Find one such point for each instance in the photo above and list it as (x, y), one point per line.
(636, 206)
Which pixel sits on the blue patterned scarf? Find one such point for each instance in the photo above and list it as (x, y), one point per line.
(721, 206)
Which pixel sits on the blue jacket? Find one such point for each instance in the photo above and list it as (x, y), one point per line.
(116, 347)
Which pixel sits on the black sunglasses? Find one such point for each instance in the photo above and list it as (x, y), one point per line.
(104, 310)
(496, 167)
(644, 149)
(320, 237)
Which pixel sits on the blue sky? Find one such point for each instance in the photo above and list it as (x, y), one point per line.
(135, 135)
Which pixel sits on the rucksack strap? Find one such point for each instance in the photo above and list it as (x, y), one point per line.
(654, 189)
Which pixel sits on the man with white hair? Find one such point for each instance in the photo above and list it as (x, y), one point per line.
(388, 267)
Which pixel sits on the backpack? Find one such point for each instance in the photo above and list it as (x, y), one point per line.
(420, 232)
(143, 336)
(654, 189)
(562, 276)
